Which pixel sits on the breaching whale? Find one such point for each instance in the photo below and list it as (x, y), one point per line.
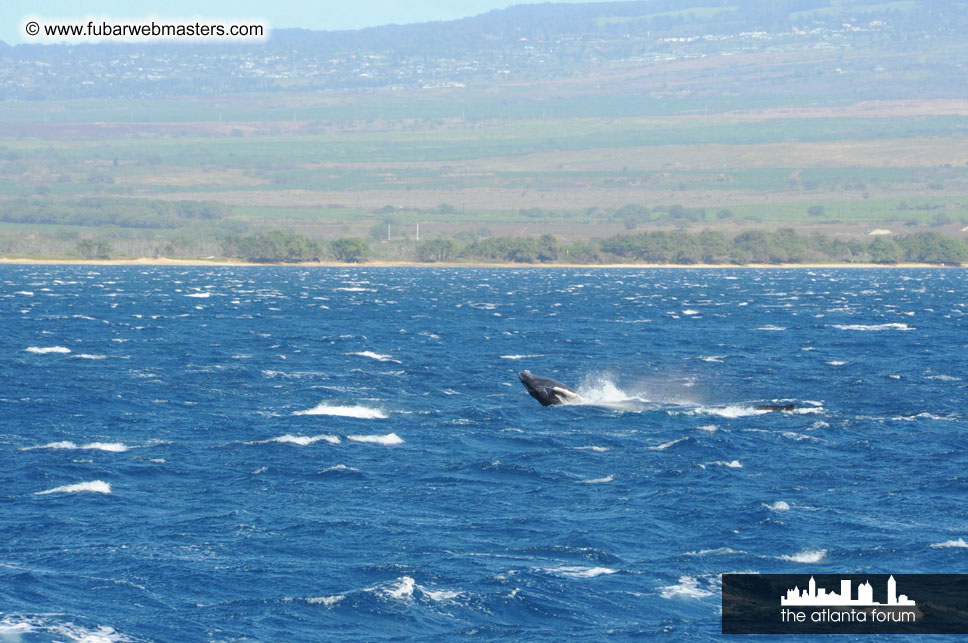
(546, 390)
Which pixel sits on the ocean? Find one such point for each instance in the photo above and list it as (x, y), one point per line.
(303, 454)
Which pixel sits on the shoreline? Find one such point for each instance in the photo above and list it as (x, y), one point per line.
(164, 261)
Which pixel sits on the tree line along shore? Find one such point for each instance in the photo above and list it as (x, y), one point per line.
(783, 246)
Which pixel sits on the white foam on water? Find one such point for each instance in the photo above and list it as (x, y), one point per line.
(26, 293)
(115, 447)
(519, 356)
(358, 411)
(389, 439)
(718, 551)
(604, 480)
(95, 486)
(731, 411)
(806, 556)
(199, 295)
(666, 445)
(959, 544)
(602, 391)
(440, 595)
(688, 587)
(715, 359)
(873, 327)
(89, 356)
(45, 350)
(578, 571)
(709, 428)
(836, 363)
(690, 312)
(339, 467)
(13, 627)
(735, 464)
(402, 590)
(596, 449)
(772, 328)
(328, 601)
(304, 440)
(377, 356)
(779, 505)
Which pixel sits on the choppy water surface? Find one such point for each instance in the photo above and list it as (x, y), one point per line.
(301, 454)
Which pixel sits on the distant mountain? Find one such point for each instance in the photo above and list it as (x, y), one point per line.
(521, 43)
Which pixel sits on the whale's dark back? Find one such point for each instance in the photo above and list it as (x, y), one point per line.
(543, 388)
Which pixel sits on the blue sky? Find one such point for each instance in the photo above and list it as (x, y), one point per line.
(345, 14)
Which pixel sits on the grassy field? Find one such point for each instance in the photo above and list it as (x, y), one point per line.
(845, 170)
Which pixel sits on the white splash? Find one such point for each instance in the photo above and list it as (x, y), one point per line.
(95, 486)
(604, 480)
(389, 439)
(328, 601)
(779, 505)
(199, 295)
(806, 556)
(358, 411)
(519, 356)
(735, 464)
(959, 544)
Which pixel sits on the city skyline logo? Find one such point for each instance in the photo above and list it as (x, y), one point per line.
(813, 596)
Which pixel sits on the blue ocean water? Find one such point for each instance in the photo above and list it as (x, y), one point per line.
(236, 454)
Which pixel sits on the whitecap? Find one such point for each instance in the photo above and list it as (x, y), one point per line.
(779, 505)
(596, 449)
(44, 350)
(732, 411)
(304, 440)
(836, 363)
(806, 556)
(959, 544)
(873, 327)
(578, 571)
(115, 447)
(710, 428)
(604, 480)
(439, 595)
(376, 356)
(688, 587)
(718, 551)
(519, 356)
(199, 295)
(89, 356)
(402, 590)
(358, 411)
(338, 467)
(772, 327)
(389, 439)
(95, 486)
(328, 601)
(734, 464)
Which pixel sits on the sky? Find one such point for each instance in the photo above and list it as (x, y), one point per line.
(322, 15)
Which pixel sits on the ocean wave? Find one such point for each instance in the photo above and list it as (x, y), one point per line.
(596, 449)
(389, 439)
(779, 505)
(772, 328)
(733, 464)
(959, 544)
(666, 445)
(15, 626)
(89, 356)
(688, 587)
(45, 350)
(806, 556)
(94, 486)
(199, 295)
(604, 480)
(873, 327)
(114, 447)
(520, 356)
(731, 411)
(303, 440)
(718, 551)
(358, 411)
(579, 571)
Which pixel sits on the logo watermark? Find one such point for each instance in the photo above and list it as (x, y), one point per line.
(99, 29)
(847, 604)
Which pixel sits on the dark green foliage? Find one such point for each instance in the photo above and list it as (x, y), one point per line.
(351, 250)
(274, 246)
(436, 250)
